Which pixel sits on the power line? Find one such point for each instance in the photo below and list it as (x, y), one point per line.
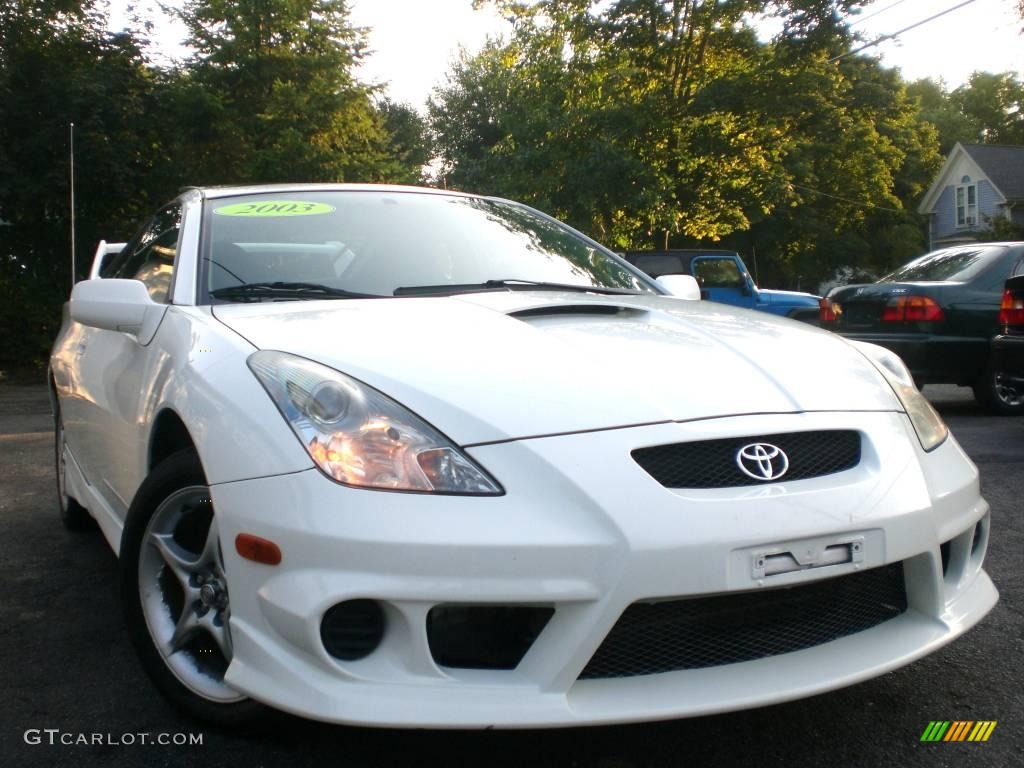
(894, 35)
(861, 19)
(848, 199)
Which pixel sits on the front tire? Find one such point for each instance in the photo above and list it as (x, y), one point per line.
(174, 592)
(998, 396)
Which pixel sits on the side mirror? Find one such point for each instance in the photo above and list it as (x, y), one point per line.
(103, 250)
(116, 305)
(681, 286)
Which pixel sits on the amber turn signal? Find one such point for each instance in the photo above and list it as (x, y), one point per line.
(258, 550)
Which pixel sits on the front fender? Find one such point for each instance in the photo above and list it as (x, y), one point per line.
(201, 375)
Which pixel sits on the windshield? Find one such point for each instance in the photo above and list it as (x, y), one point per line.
(372, 243)
(954, 265)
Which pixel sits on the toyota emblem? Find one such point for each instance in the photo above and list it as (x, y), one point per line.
(762, 461)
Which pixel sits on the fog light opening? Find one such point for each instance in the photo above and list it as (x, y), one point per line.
(978, 538)
(484, 636)
(352, 630)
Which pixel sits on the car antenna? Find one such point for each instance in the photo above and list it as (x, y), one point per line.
(71, 128)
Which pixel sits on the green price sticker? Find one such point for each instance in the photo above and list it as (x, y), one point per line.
(275, 208)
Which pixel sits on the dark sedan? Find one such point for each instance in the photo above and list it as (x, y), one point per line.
(1008, 346)
(940, 314)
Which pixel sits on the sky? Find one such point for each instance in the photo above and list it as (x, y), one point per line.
(414, 41)
(984, 35)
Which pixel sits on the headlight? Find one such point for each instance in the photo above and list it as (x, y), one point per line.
(360, 437)
(930, 427)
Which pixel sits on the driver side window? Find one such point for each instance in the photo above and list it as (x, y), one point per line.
(718, 273)
(149, 257)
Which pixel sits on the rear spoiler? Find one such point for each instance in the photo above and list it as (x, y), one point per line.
(103, 250)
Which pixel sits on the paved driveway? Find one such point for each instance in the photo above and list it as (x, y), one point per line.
(65, 661)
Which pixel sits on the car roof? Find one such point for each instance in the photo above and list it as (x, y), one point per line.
(256, 189)
(980, 244)
(682, 251)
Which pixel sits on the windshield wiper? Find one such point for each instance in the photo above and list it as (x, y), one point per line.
(285, 290)
(508, 284)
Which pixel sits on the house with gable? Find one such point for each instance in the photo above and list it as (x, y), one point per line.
(977, 184)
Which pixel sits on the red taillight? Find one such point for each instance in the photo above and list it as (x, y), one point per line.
(257, 549)
(1011, 311)
(828, 311)
(912, 309)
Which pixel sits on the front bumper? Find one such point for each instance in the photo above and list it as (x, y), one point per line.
(590, 540)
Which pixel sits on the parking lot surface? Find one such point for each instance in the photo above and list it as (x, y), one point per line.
(66, 663)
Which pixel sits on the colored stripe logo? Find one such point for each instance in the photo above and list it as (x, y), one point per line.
(958, 730)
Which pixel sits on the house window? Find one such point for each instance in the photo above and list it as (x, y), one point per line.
(966, 203)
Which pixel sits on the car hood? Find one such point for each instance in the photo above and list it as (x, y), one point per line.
(797, 298)
(497, 366)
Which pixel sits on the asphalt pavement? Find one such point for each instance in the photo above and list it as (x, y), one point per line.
(67, 670)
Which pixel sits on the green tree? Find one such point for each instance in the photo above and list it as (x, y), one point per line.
(58, 65)
(626, 118)
(272, 94)
(649, 123)
(988, 108)
(995, 101)
(858, 159)
(999, 229)
(938, 109)
(408, 144)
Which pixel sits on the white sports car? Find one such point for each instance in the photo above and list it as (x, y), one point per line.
(404, 457)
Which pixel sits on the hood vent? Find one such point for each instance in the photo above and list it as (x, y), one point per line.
(554, 310)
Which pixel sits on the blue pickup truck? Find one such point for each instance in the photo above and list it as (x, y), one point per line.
(724, 277)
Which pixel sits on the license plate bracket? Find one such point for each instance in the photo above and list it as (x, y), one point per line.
(804, 556)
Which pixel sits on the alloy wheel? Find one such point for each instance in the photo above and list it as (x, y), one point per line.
(1008, 394)
(184, 593)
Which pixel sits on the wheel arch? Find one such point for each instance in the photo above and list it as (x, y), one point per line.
(197, 392)
(51, 390)
(168, 436)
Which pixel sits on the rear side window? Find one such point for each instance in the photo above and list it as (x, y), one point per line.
(658, 264)
(717, 273)
(956, 265)
(149, 257)
(1019, 269)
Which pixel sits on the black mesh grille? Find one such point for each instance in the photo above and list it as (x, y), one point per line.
(710, 631)
(713, 464)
